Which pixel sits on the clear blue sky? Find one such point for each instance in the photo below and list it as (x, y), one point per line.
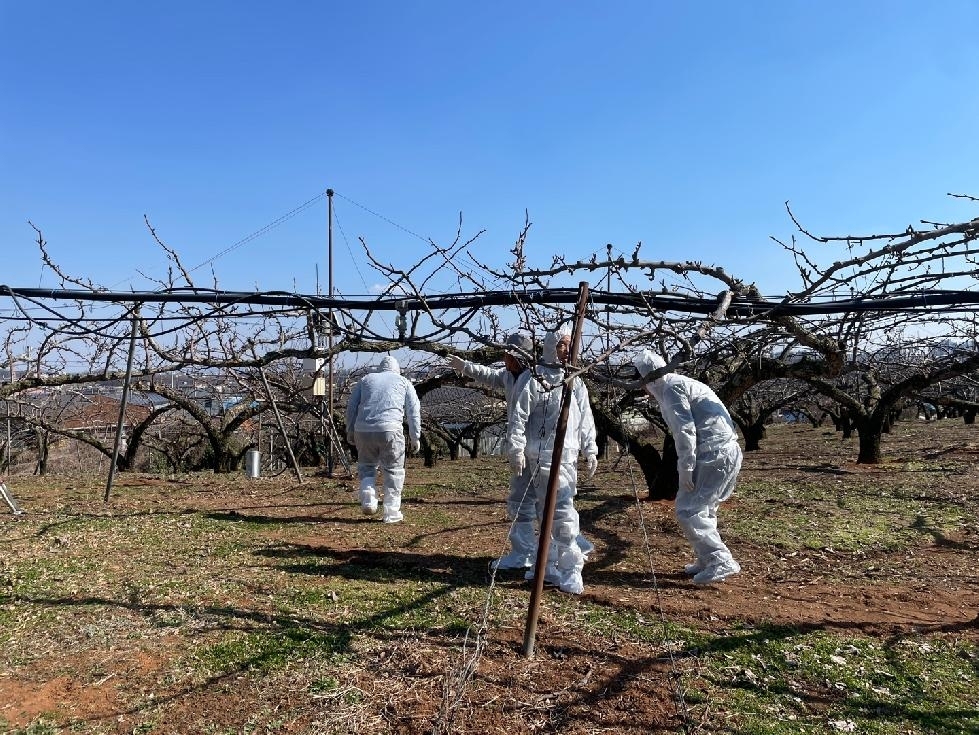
(684, 125)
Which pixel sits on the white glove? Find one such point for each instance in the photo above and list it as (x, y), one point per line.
(415, 446)
(517, 464)
(686, 481)
(591, 462)
(456, 363)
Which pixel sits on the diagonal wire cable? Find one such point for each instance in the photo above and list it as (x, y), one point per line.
(381, 217)
(459, 678)
(261, 231)
(677, 680)
(346, 243)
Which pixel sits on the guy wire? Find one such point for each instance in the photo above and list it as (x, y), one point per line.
(677, 681)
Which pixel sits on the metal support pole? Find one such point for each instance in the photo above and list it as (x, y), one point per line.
(547, 521)
(329, 333)
(121, 423)
(10, 369)
(7, 404)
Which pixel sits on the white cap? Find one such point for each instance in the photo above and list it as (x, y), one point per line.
(519, 342)
(648, 361)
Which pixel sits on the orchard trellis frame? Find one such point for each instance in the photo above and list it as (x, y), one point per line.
(831, 331)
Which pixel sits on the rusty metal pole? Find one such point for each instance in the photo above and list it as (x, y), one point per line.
(547, 521)
(123, 400)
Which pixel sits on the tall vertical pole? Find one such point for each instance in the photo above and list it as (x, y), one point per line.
(608, 288)
(13, 377)
(121, 423)
(547, 520)
(329, 333)
(604, 440)
(7, 404)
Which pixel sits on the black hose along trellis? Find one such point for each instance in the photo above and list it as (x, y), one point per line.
(740, 306)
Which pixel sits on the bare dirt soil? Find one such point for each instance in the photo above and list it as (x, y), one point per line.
(101, 630)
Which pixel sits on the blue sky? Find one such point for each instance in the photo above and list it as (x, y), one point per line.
(684, 125)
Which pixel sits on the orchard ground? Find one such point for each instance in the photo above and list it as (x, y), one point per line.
(223, 604)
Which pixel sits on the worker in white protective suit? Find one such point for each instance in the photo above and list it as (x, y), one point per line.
(376, 413)
(530, 444)
(708, 462)
(521, 501)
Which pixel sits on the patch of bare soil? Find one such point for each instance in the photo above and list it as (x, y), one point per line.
(426, 682)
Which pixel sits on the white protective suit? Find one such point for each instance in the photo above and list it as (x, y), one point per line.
(708, 462)
(376, 412)
(530, 441)
(521, 501)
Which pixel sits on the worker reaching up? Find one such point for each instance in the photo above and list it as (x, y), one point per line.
(530, 443)
(521, 501)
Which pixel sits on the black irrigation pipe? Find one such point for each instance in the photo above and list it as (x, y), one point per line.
(740, 307)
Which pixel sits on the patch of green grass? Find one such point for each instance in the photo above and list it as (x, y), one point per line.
(430, 517)
(269, 650)
(392, 605)
(324, 686)
(331, 688)
(425, 490)
(241, 524)
(840, 518)
(636, 625)
(414, 607)
(41, 726)
(917, 465)
(785, 681)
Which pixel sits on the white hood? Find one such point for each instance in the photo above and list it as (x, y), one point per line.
(549, 351)
(647, 361)
(391, 364)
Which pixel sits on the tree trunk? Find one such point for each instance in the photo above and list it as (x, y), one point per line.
(428, 451)
(225, 459)
(474, 449)
(43, 448)
(753, 434)
(667, 481)
(869, 431)
(646, 455)
(601, 440)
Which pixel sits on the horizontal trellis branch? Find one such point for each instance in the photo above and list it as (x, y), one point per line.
(740, 306)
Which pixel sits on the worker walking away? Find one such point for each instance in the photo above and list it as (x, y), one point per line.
(379, 405)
